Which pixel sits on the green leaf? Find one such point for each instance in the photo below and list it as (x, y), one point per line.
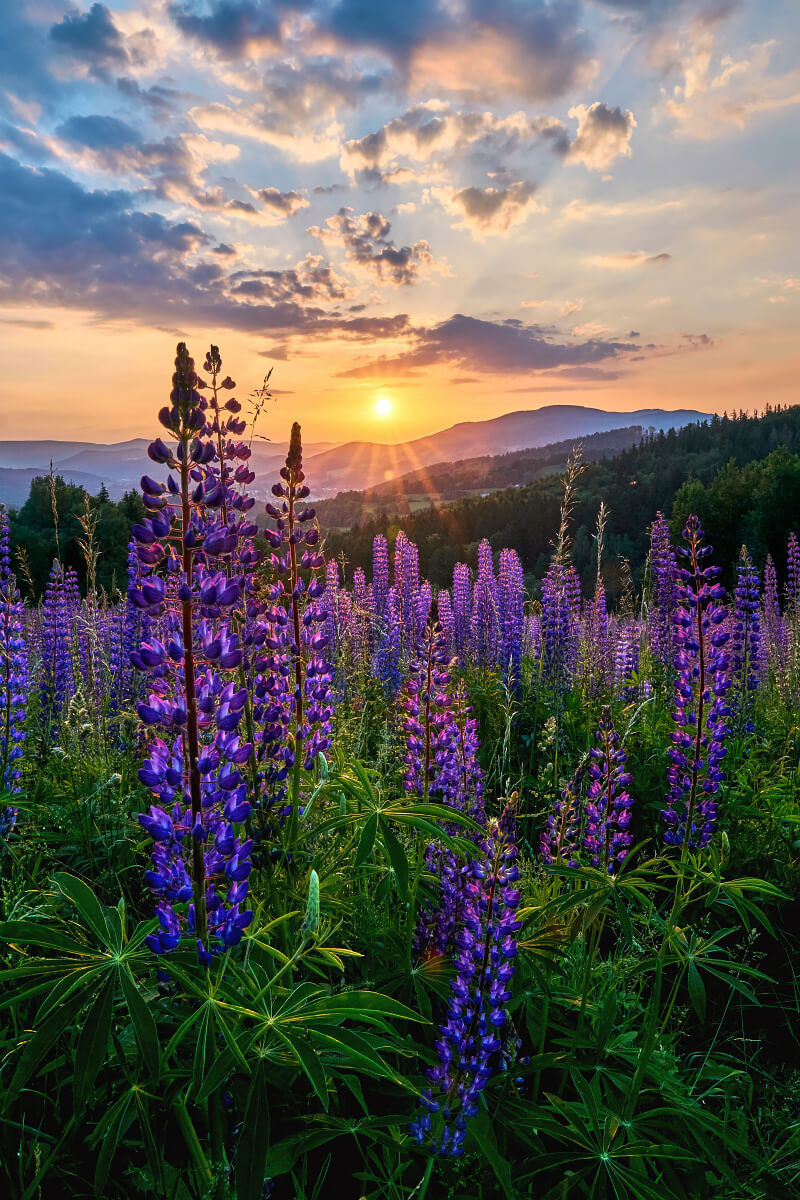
(144, 1026)
(367, 839)
(28, 933)
(251, 1156)
(697, 991)
(87, 905)
(203, 1051)
(42, 1041)
(92, 1045)
(110, 1133)
(481, 1131)
(365, 1005)
(397, 857)
(310, 1063)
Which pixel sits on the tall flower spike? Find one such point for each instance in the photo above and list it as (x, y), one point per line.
(200, 864)
(14, 679)
(470, 1040)
(664, 594)
(701, 686)
(293, 700)
(608, 803)
(745, 642)
(424, 705)
(561, 833)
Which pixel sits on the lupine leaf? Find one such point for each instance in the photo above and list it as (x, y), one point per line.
(251, 1155)
(90, 1052)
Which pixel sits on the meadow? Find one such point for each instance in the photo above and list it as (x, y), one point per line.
(320, 881)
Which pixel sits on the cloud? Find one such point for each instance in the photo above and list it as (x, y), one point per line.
(728, 93)
(502, 347)
(428, 130)
(92, 38)
(626, 259)
(66, 247)
(697, 339)
(477, 49)
(280, 204)
(28, 323)
(604, 134)
(161, 101)
(232, 28)
(488, 211)
(365, 240)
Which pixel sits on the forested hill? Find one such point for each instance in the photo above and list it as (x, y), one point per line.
(741, 474)
(447, 481)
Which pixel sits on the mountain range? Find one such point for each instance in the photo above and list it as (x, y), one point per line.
(330, 467)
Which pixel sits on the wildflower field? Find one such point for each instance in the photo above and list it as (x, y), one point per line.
(318, 882)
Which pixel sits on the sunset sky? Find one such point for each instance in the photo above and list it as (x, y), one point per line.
(417, 212)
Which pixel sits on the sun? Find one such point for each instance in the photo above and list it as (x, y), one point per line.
(383, 406)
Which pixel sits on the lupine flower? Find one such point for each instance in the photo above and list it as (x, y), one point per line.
(57, 680)
(608, 803)
(459, 778)
(701, 688)
(200, 864)
(793, 573)
(773, 622)
(561, 833)
(462, 611)
(511, 613)
(485, 619)
(626, 660)
(559, 622)
(424, 705)
(293, 701)
(665, 594)
(745, 641)
(14, 680)
(470, 1039)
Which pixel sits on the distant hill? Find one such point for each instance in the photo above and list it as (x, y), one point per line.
(119, 465)
(359, 465)
(668, 471)
(333, 468)
(444, 483)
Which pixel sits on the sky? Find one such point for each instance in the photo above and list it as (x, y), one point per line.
(415, 212)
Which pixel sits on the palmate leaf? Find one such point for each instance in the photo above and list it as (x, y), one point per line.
(251, 1155)
(90, 1052)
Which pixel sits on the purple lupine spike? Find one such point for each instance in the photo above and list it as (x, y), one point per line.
(459, 778)
(57, 681)
(608, 803)
(702, 683)
(559, 843)
(626, 660)
(14, 680)
(192, 654)
(559, 623)
(462, 611)
(485, 620)
(293, 693)
(470, 1038)
(746, 650)
(424, 705)
(362, 623)
(388, 648)
(773, 621)
(511, 606)
(793, 573)
(380, 575)
(444, 612)
(665, 595)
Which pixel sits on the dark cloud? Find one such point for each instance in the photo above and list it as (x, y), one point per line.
(490, 210)
(235, 28)
(161, 101)
(368, 246)
(28, 323)
(604, 133)
(697, 339)
(658, 258)
(283, 204)
(64, 246)
(504, 347)
(527, 47)
(91, 37)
